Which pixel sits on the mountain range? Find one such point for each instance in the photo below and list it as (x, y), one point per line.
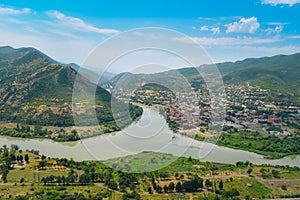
(280, 74)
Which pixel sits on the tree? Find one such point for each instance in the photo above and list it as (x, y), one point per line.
(150, 190)
(26, 158)
(72, 176)
(275, 173)
(133, 195)
(171, 187)
(193, 185)
(178, 187)
(221, 185)
(112, 185)
(164, 175)
(154, 185)
(63, 180)
(43, 157)
(14, 147)
(231, 193)
(13, 157)
(181, 177)
(166, 189)
(58, 180)
(42, 164)
(249, 171)
(158, 189)
(45, 180)
(234, 192)
(84, 178)
(262, 170)
(208, 183)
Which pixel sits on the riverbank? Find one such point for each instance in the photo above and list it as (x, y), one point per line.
(239, 142)
(57, 134)
(64, 134)
(270, 146)
(150, 133)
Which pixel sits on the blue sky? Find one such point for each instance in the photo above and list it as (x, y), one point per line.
(228, 30)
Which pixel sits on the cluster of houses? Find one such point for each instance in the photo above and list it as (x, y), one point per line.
(247, 107)
(259, 109)
(181, 108)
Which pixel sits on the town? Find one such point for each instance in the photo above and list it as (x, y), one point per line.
(247, 107)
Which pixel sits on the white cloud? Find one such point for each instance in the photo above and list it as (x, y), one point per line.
(295, 37)
(226, 41)
(79, 24)
(245, 25)
(215, 30)
(277, 23)
(281, 2)
(277, 29)
(274, 50)
(12, 11)
(204, 28)
(207, 19)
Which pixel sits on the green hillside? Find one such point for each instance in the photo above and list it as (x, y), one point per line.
(35, 89)
(280, 73)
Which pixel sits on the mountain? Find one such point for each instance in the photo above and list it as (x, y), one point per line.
(36, 89)
(22, 55)
(92, 73)
(280, 74)
(172, 79)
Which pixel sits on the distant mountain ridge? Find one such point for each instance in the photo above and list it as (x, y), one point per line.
(279, 73)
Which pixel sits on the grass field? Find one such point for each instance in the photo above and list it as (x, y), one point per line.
(261, 183)
(260, 143)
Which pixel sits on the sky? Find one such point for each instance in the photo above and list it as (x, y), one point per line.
(231, 30)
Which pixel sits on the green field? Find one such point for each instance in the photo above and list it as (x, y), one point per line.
(95, 180)
(260, 143)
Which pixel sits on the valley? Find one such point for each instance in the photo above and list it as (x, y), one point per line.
(256, 153)
(149, 100)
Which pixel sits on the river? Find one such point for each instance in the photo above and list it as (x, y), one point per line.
(150, 133)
